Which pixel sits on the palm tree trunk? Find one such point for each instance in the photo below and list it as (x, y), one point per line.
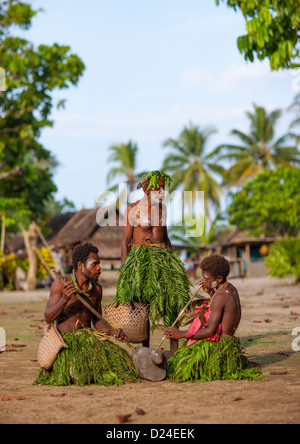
(2, 233)
(131, 181)
(30, 240)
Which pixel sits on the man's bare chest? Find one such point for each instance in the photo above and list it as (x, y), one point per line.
(75, 306)
(148, 219)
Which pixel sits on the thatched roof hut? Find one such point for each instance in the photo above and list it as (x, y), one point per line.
(246, 251)
(100, 226)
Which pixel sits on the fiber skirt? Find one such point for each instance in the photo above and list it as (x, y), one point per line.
(90, 358)
(156, 276)
(209, 361)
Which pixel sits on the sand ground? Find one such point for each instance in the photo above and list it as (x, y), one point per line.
(271, 310)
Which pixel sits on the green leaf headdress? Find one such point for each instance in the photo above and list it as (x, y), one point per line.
(152, 177)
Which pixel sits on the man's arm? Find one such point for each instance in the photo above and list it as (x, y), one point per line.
(213, 322)
(127, 235)
(166, 238)
(211, 328)
(60, 294)
(101, 324)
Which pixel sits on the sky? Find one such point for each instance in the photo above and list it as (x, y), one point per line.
(151, 69)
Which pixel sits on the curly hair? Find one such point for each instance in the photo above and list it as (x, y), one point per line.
(216, 265)
(81, 252)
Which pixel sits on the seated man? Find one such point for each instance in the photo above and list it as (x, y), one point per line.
(212, 350)
(87, 358)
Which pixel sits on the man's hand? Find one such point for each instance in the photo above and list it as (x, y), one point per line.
(203, 286)
(174, 333)
(69, 290)
(119, 334)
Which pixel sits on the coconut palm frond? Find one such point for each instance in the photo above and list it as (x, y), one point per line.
(189, 162)
(259, 150)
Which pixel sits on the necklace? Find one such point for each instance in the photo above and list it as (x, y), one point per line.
(216, 291)
(84, 292)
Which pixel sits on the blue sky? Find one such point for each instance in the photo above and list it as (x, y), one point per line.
(151, 68)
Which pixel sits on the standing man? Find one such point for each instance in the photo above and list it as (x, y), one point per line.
(151, 271)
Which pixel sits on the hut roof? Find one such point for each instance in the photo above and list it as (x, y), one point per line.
(56, 224)
(243, 237)
(109, 241)
(79, 228)
(93, 225)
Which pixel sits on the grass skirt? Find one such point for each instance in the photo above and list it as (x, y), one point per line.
(90, 358)
(156, 276)
(209, 361)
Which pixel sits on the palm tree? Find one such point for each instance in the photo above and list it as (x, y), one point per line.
(124, 155)
(209, 233)
(258, 149)
(295, 107)
(190, 167)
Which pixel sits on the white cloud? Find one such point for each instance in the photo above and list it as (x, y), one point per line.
(143, 129)
(192, 23)
(234, 76)
(139, 95)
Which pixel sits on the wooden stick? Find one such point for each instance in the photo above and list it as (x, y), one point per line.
(39, 232)
(98, 315)
(181, 314)
(44, 263)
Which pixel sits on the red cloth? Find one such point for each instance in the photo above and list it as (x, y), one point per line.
(197, 325)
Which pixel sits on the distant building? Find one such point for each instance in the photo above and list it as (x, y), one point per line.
(244, 252)
(100, 226)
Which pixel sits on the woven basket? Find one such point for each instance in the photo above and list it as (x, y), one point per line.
(50, 346)
(133, 321)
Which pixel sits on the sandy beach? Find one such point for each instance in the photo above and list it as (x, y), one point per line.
(271, 311)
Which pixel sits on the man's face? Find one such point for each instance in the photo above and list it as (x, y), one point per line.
(209, 281)
(157, 195)
(91, 268)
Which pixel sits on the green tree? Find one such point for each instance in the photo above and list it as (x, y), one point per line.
(32, 75)
(259, 150)
(190, 166)
(208, 233)
(283, 258)
(269, 204)
(272, 31)
(124, 156)
(295, 107)
(63, 206)
(12, 213)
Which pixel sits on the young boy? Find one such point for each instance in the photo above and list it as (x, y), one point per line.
(212, 350)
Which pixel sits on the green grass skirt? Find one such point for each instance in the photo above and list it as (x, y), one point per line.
(89, 360)
(155, 276)
(209, 361)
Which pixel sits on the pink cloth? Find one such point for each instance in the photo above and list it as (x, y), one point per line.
(197, 325)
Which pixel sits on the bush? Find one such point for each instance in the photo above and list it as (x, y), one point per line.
(46, 255)
(8, 266)
(284, 258)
